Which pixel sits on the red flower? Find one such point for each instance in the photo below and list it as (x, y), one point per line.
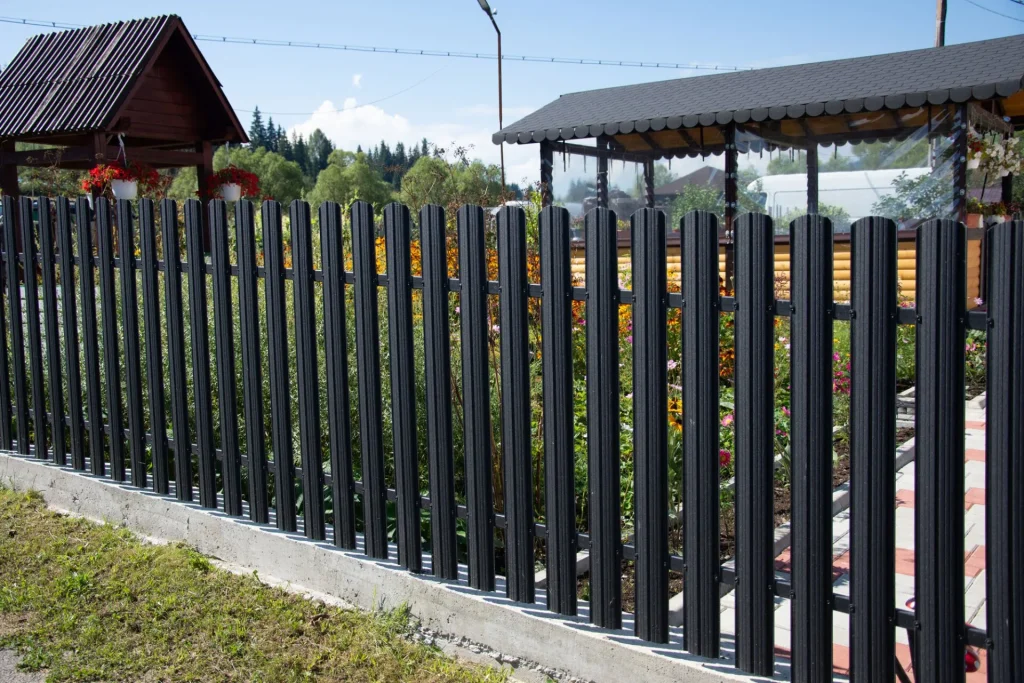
(724, 457)
(232, 175)
(100, 176)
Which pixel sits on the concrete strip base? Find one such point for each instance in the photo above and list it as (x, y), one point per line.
(564, 647)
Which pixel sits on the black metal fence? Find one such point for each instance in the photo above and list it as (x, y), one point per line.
(69, 426)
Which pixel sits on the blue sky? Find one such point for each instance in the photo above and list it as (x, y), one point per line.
(455, 100)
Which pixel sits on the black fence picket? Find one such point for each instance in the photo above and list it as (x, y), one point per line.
(603, 457)
(650, 424)
(811, 447)
(338, 402)
(154, 347)
(34, 349)
(69, 315)
(252, 363)
(939, 418)
(1004, 454)
(111, 340)
(176, 350)
(403, 377)
(438, 375)
(130, 336)
(559, 451)
(515, 405)
(476, 396)
(48, 310)
(754, 443)
(701, 460)
(84, 220)
(199, 325)
(873, 449)
(277, 350)
(55, 378)
(224, 339)
(371, 429)
(310, 447)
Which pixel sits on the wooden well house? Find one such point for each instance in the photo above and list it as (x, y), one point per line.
(931, 93)
(137, 89)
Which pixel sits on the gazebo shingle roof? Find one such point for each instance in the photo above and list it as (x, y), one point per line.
(956, 73)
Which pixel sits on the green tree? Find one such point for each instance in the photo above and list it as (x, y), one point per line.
(784, 165)
(435, 180)
(662, 176)
(319, 148)
(257, 133)
(348, 181)
(926, 196)
(280, 179)
(892, 154)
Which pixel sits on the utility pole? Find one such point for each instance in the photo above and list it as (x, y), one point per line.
(940, 23)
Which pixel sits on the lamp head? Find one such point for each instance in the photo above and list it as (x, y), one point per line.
(485, 7)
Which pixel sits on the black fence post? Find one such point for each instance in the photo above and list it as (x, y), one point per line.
(35, 344)
(154, 346)
(515, 405)
(252, 364)
(811, 448)
(130, 332)
(224, 350)
(939, 519)
(111, 338)
(6, 438)
(371, 430)
(872, 450)
(17, 325)
(403, 381)
(603, 461)
(438, 374)
(476, 397)
(176, 350)
(1004, 460)
(311, 449)
(55, 379)
(200, 328)
(280, 373)
(69, 309)
(90, 336)
(650, 424)
(754, 443)
(701, 459)
(338, 403)
(559, 456)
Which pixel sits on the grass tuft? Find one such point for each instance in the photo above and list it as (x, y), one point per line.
(92, 603)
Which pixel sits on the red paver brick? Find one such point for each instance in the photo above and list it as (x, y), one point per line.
(974, 424)
(840, 657)
(974, 496)
(904, 561)
(905, 498)
(975, 454)
(974, 564)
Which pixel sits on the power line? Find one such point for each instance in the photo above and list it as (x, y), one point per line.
(989, 9)
(234, 40)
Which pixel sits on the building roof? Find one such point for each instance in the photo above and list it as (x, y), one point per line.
(77, 81)
(708, 176)
(956, 73)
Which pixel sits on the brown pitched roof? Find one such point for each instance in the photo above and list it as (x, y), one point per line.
(77, 81)
(705, 175)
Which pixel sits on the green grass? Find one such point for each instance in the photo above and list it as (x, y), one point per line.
(91, 602)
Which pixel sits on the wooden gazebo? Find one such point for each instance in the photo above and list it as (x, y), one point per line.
(881, 97)
(142, 86)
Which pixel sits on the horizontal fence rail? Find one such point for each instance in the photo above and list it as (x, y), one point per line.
(128, 351)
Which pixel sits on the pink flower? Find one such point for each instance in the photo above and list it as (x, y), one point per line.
(629, 339)
(458, 310)
(724, 457)
(978, 301)
(835, 356)
(727, 420)
(785, 411)
(672, 364)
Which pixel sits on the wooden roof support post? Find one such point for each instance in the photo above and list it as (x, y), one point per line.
(203, 171)
(731, 201)
(812, 177)
(602, 176)
(547, 172)
(8, 170)
(649, 184)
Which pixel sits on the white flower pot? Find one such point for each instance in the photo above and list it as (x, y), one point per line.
(973, 163)
(231, 192)
(124, 189)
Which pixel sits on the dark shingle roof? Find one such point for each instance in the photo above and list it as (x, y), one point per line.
(958, 73)
(708, 176)
(75, 81)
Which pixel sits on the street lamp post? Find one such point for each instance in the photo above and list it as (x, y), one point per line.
(490, 14)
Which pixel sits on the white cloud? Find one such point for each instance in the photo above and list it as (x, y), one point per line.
(367, 125)
(357, 80)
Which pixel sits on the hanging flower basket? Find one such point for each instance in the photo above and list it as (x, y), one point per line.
(121, 181)
(233, 183)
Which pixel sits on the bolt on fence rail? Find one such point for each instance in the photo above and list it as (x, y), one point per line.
(196, 419)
